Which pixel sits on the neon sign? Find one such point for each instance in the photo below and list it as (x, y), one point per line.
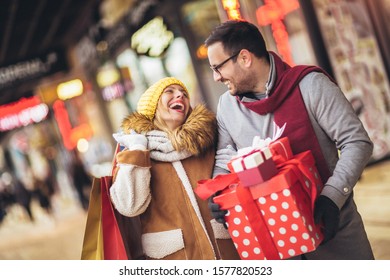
(70, 89)
(232, 8)
(112, 92)
(22, 113)
(273, 13)
(33, 68)
(153, 38)
(107, 75)
(70, 135)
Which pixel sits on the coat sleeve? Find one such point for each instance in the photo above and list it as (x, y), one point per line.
(224, 140)
(337, 127)
(130, 191)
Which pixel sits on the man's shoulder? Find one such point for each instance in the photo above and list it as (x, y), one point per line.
(226, 97)
(226, 105)
(226, 100)
(318, 78)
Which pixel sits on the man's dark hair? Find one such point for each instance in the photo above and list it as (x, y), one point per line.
(236, 35)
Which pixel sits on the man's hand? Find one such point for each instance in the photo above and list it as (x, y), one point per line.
(216, 212)
(327, 212)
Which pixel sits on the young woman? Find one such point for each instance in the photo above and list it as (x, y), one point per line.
(169, 146)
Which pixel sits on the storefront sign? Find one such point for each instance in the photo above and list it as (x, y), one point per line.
(273, 13)
(86, 51)
(70, 89)
(107, 75)
(153, 38)
(232, 8)
(21, 113)
(70, 135)
(33, 68)
(354, 52)
(112, 92)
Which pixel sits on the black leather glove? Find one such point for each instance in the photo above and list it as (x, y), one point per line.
(327, 212)
(216, 212)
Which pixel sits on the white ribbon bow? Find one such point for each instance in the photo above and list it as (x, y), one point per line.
(258, 143)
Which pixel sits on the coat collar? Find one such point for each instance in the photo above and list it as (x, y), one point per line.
(196, 135)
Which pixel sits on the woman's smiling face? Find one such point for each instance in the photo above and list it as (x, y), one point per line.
(173, 106)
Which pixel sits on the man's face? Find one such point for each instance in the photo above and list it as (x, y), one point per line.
(227, 69)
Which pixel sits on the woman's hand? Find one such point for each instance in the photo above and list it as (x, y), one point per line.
(132, 141)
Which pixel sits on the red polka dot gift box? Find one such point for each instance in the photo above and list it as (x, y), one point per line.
(274, 220)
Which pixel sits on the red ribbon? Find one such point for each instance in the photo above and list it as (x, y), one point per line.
(301, 165)
(281, 147)
(208, 187)
(257, 222)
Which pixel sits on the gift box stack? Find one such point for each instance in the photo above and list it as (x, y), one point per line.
(254, 167)
(270, 203)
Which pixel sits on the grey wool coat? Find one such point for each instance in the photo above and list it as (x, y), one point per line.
(343, 140)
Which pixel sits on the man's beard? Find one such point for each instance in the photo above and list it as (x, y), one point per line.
(244, 87)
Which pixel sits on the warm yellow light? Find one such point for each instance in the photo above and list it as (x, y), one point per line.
(230, 4)
(70, 89)
(82, 145)
(232, 8)
(153, 38)
(201, 52)
(107, 76)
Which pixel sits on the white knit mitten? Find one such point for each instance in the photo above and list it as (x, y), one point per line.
(132, 141)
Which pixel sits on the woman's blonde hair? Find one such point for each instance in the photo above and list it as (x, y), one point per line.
(173, 135)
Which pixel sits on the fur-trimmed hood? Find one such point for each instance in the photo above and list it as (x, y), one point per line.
(196, 135)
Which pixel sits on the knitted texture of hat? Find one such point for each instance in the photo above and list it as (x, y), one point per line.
(148, 101)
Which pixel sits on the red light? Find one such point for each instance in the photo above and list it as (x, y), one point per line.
(70, 135)
(273, 13)
(22, 113)
(232, 8)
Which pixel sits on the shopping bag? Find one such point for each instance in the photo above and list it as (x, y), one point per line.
(114, 247)
(93, 240)
(102, 237)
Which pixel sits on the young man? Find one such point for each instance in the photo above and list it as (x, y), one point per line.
(265, 92)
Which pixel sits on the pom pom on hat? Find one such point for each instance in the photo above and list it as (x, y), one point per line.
(147, 104)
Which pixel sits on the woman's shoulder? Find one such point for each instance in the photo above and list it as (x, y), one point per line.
(136, 122)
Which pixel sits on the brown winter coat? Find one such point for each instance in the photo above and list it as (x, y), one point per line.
(171, 220)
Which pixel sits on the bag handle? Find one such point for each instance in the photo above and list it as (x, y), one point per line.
(114, 162)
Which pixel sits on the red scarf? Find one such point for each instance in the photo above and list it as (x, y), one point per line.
(287, 105)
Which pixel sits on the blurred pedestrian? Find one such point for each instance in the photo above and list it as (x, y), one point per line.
(6, 200)
(23, 196)
(43, 193)
(81, 180)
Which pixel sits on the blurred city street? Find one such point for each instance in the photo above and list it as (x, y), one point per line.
(72, 71)
(59, 236)
(372, 197)
(56, 236)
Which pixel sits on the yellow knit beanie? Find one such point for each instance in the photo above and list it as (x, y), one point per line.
(148, 101)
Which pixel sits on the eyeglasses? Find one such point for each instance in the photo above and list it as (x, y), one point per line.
(216, 67)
